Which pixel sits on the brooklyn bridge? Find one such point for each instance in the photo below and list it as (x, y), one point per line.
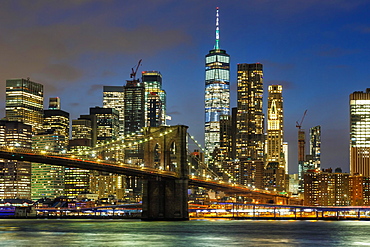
(165, 171)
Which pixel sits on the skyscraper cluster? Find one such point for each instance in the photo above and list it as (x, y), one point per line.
(126, 111)
(236, 143)
(249, 146)
(243, 144)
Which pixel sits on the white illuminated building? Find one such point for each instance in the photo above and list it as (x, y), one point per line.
(217, 92)
(360, 133)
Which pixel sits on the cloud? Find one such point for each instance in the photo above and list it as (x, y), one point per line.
(52, 46)
(94, 88)
(61, 72)
(173, 113)
(74, 104)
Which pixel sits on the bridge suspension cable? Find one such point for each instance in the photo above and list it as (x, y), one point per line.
(207, 171)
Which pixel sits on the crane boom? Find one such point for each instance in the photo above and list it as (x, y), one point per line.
(134, 70)
(299, 124)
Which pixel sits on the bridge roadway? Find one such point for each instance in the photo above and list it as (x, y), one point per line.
(28, 155)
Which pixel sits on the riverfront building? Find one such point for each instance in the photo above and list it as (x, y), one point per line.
(217, 92)
(359, 190)
(107, 129)
(15, 176)
(77, 180)
(48, 180)
(325, 188)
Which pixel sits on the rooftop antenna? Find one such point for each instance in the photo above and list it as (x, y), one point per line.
(217, 45)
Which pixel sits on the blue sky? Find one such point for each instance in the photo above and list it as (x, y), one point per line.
(318, 50)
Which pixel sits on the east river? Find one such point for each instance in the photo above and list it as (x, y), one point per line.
(63, 232)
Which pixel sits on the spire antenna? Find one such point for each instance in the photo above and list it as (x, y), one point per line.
(217, 45)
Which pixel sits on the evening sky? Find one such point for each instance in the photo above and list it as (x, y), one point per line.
(318, 50)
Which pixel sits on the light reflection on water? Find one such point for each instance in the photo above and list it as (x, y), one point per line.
(192, 233)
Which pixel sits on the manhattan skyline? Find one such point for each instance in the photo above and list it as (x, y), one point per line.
(317, 51)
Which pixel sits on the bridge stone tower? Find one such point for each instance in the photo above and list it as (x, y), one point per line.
(166, 199)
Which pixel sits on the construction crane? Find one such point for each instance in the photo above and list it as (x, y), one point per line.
(301, 140)
(299, 124)
(134, 70)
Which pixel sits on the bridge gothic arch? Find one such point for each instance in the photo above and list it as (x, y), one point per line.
(173, 158)
(157, 156)
(166, 148)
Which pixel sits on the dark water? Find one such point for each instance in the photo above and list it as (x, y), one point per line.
(47, 232)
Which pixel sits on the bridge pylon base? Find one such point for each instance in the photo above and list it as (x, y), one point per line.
(165, 200)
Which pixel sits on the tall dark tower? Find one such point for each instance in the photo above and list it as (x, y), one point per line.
(250, 124)
(134, 107)
(155, 99)
(134, 110)
(250, 117)
(217, 91)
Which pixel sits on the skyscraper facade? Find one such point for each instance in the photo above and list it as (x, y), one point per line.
(77, 180)
(275, 126)
(311, 161)
(134, 107)
(15, 176)
(113, 97)
(275, 135)
(56, 120)
(155, 99)
(360, 133)
(217, 91)
(48, 180)
(25, 102)
(249, 136)
(250, 117)
(325, 188)
(107, 124)
(84, 131)
(315, 144)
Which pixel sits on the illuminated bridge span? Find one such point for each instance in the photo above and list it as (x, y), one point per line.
(165, 171)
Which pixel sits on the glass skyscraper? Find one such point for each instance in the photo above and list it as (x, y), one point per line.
(217, 91)
(113, 97)
(25, 102)
(250, 117)
(249, 136)
(360, 133)
(155, 99)
(15, 176)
